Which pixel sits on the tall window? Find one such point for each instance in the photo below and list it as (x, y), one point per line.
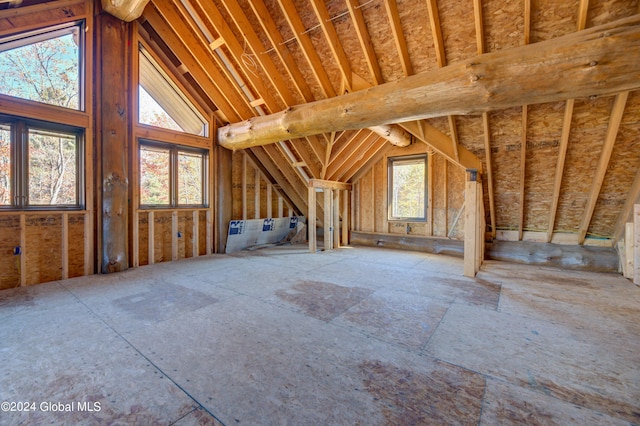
(44, 65)
(172, 176)
(408, 188)
(161, 103)
(40, 165)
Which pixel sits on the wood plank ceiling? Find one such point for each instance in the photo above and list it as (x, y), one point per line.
(547, 167)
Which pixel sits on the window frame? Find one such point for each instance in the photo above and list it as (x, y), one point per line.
(400, 160)
(19, 163)
(174, 196)
(25, 38)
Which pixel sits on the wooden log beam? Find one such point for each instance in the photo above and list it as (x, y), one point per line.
(597, 61)
(126, 10)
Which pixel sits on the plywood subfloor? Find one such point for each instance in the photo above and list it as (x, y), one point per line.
(354, 336)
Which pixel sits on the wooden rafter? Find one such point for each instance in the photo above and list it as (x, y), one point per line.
(271, 31)
(498, 80)
(370, 156)
(357, 146)
(301, 35)
(398, 36)
(603, 163)
(583, 8)
(182, 36)
(365, 41)
(335, 45)
(205, 77)
(251, 41)
(523, 140)
(212, 15)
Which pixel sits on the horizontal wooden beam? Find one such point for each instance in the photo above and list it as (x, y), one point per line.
(328, 184)
(597, 61)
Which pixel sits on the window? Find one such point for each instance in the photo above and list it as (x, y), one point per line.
(162, 104)
(44, 65)
(40, 165)
(172, 176)
(408, 188)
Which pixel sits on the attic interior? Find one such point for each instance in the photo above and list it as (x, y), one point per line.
(156, 132)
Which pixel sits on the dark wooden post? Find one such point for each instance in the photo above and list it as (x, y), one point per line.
(112, 107)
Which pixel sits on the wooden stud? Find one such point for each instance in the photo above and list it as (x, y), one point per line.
(256, 194)
(174, 235)
(65, 246)
(311, 220)
(244, 185)
(280, 206)
(152, 239)
(636, 244)
(328, 219)
(523, 160)
(135, 237)
(430, 194)
(345, 217)
(23, 243)
(336, 218)
(209, 233)
(269, 200)
(470, 228)
(628, 265)
(487, 152)
(195, 235)
(603, 163)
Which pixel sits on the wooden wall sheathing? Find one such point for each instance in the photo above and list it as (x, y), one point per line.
(458, 30)
(552, 18)
(143, 239)
(623, 166)
(162, 236)
(605, 11)
(380, 196)
(202, 233)
(414, 17)
(439, 224)
(236, 175)
(365, 204)
(185, 227)
(588, 131)
(9, 263)
(503, 24)
(76, 245)
(379, 29)
(43, 250)
(505, 127)
(544, 130)
(348, 38)
(455, 191)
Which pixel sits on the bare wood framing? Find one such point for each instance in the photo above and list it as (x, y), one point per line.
(65, 246)
(195, 235)
(636, 244)
(151, 237)
(365, 40)
(562, 155)
(335, 228)
(398, 36)
(345, 217)
(496, 80)
(174, 235)
(489, 174)
(626, 213)
(311, 219)
(603, 163)
(328, 219)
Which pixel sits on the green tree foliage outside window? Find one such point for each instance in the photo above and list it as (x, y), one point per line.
(407, 188)
(52, 168)
(43, 67)
(5, 166)
(172, 176)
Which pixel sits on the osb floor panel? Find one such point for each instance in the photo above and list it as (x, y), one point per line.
(357, 336)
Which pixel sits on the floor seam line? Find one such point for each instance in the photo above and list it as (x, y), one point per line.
(102, 320)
